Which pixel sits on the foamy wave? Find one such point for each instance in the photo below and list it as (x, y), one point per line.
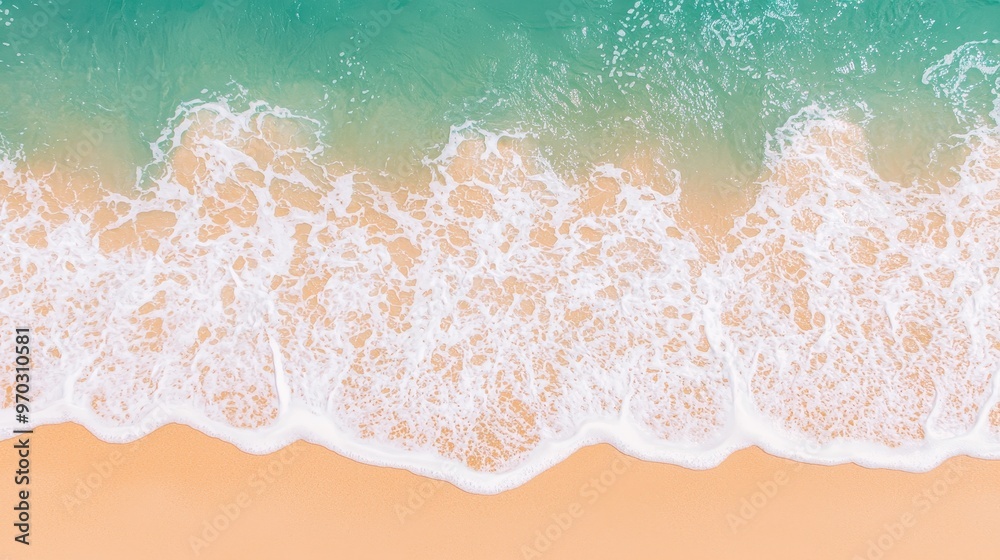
(482, 325)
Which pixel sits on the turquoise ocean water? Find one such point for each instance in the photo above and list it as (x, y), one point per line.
(704, 82)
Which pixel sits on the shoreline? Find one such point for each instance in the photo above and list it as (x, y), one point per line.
(90, 498)
(300, 427)
(247, 220)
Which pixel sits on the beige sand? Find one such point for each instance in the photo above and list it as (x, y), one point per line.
(156, 498)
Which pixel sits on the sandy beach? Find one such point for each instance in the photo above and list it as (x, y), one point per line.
(179, 494)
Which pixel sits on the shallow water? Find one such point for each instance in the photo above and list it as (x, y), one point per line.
(704, 82)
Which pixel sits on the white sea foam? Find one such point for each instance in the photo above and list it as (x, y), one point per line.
(498, 317)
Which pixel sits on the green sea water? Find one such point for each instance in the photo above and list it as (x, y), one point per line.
(703, 83)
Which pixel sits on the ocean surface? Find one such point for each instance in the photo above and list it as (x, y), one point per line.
(468, 238)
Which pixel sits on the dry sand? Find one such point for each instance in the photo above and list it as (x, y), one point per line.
(158, 497)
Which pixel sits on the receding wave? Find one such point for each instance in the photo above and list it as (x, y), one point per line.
(482, 317)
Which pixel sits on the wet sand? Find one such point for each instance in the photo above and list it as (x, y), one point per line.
(159, 497)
